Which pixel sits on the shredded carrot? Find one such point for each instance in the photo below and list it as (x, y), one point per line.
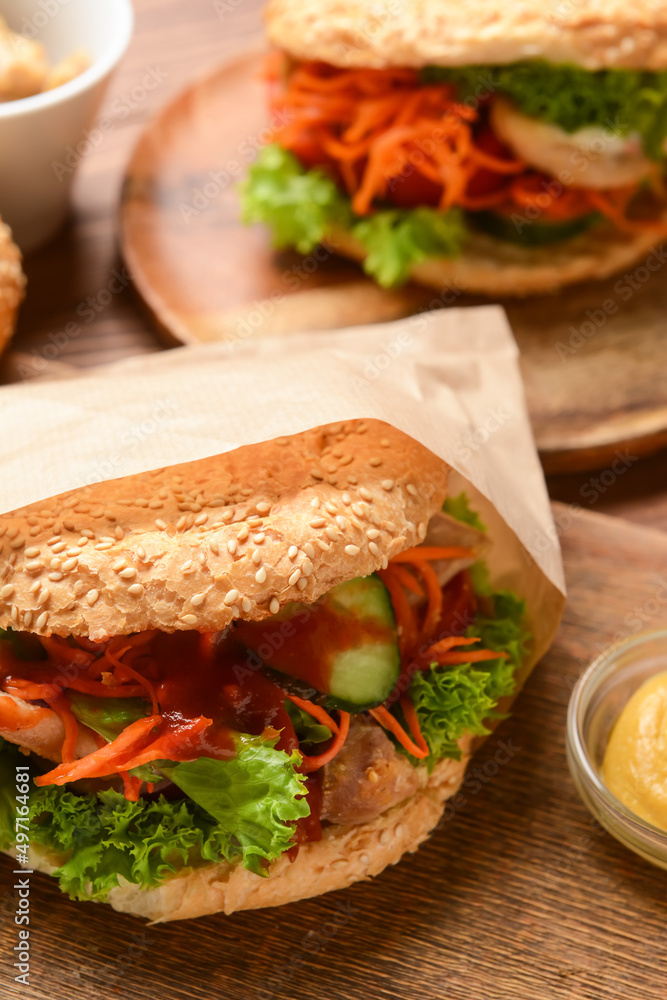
(63, 710)
(412, 719)
(467, 656)
(124, 668)
(434, 609)
(387, 721)
(428, 553)
(316, 711)
(444, 645)
(407, 579)
(109, 760)
(311, 764)
(21, 688)
(131, 786)
(405, 619)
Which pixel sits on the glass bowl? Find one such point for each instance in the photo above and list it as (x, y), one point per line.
(596, 703)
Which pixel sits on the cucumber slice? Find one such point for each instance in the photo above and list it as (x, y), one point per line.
(533, 233)
(344, 645)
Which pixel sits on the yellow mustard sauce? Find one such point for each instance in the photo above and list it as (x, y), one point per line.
(635, 761)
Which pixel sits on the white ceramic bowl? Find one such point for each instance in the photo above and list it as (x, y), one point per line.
(43, 138)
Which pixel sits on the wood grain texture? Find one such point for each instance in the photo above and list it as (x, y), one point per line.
(594, 357)
(518, 895)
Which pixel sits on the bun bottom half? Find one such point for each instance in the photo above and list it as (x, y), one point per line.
(498, 268)
(346, 854)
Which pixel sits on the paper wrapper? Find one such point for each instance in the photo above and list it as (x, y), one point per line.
(449, 379)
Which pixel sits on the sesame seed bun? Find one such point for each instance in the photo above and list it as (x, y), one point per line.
(594, 34)
(196, 545)
(346, 854)
(12, 284)
(489, 266)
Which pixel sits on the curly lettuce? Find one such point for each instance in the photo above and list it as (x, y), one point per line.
(238, 810)
(451, 701)
(619, 100)
(302, 206)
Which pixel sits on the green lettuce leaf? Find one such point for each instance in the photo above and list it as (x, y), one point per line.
(459, 508)
(298, 205)
(619, 100)
(396, 239)
(254, 796)
(307, 729)
(235, 810)
(301, 206)
(107, 716)
(451, 701)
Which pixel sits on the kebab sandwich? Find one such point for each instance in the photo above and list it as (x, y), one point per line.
(248, 679)
(497, 149)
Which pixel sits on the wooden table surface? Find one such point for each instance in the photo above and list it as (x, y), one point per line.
(178, 39)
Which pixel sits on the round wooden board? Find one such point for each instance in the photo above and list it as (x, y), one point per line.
(594, 357)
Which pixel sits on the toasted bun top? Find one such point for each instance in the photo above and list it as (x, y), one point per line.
(195, 545)
(12, 284)
(595, 34)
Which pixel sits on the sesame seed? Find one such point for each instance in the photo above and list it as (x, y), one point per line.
(35, 587)
(374, 549)
(187, 566)
(309, 550)
(322, 545)
(73, 552)
(347, 499)
(375, 461)
(263, 507)
(246, 604)
(162, 525)
(119, 565)
(6, 591)
(136, 590)
(201, 558)
(373, 533)
(384, 838)
(292, 552)
(59, 547)
(385, 562)
(318, 522)
(258, 539)
(254, 521)
(43, 597)
(306, 567)
(274, 606)
(315, 502)
(180, 524)
(387, 484)
(331, 506)
(227, 515)
(243, 533)
(352, 550)
(55, 577)
(410, 525)
(303, 583)
(69, 564)
(364, 858)
(42, 620)
(54, 540)
(92, 596)
(202, 519)
(331, 532)
(231, 546)
(256, 557)
(295, 577)
(316, 474)
(214, 546)
(141, 552)
(260, 575)
(128, 574)
(421, 531)
(341, 522)
(119, 533)
(365, 494)
(104, 546)
(12, 532)
(411, 490)
(27, 618)
(235, 611)
(197, 599)
(14, 613)
(189, 619)
(31, 553)
(36, 565)
(357, 509)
